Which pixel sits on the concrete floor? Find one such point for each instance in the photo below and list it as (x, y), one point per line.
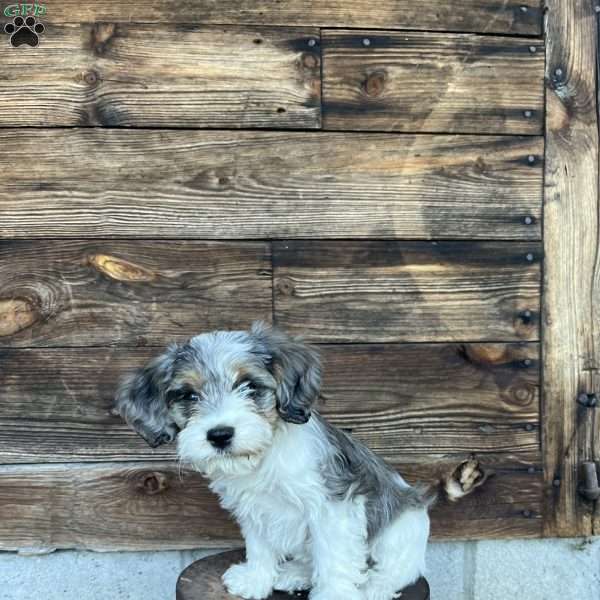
(498, 570)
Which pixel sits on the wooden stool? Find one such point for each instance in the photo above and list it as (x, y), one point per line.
(202, 581)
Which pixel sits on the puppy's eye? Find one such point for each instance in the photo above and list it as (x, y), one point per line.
(192, 397)
(183, 396)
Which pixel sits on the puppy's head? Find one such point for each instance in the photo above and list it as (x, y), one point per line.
(222, 394)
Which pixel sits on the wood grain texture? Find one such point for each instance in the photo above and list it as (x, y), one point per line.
(148, 506)
(99, 182)
(131, 75)
(89, 293)
(572, 271)
(424, 82)
(509, 16)
(407, 291)
(406, 402)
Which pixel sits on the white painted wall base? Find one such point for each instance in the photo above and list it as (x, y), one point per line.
(499, 570)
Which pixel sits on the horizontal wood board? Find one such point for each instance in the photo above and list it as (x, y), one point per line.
(407, 402)
(103, 292)
(156, 506)
(425, 82)
(131, 75)
(407, 291)
(522, 17)
(224, 184)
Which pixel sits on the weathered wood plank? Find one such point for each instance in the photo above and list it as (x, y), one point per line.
(82, 293)
(95, 182)
(134, 506)
(131, 75)
(404, 401)
(407, 291)
(521, 17)
(572, 272)
(428, 83)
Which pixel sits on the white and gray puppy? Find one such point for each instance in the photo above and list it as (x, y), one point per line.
(317, 509)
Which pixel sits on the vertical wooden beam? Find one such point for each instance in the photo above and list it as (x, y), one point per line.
(571, 342)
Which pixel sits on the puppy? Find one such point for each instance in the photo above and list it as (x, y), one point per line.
(317, 509)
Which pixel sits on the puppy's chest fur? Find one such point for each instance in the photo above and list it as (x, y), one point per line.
(279, 498)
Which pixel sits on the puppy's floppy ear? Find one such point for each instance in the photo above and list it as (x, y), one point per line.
(296, 368)
(141, 400)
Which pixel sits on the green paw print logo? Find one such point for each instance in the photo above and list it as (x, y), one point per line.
(24, 31)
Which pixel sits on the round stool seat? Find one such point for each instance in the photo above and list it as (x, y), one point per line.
(202, 581)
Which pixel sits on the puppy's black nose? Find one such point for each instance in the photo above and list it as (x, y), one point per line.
(220, 437)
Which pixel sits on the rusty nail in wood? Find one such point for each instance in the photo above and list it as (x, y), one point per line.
(90, 77)
(528, 427)
(529, 256)
(528, 220)
(582, 399)
(556, 482)
(366, 42)
(531, 159)
(532, 49)
(588, 400)
(312, 42)
(590, 489)
(527, 513)
(528, 114)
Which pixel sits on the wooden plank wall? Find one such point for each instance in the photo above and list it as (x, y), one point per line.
(572, 276)
(370, 178)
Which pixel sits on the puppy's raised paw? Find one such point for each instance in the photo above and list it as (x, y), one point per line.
(246, 582)
(468, 476)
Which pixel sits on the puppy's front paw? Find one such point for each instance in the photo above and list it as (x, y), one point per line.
(293, 576)
(247, 582)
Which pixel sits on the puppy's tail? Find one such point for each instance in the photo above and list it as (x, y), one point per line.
(464, 479)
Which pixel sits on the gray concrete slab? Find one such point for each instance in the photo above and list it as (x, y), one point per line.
(494, 570)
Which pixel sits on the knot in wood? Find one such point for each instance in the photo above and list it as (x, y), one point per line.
(101, 36)
(310, 61)
(15, 315)
(523, 394)
(120, 269)
(153, 483)
(374, 84)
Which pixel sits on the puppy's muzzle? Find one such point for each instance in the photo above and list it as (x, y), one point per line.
(220, 437)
